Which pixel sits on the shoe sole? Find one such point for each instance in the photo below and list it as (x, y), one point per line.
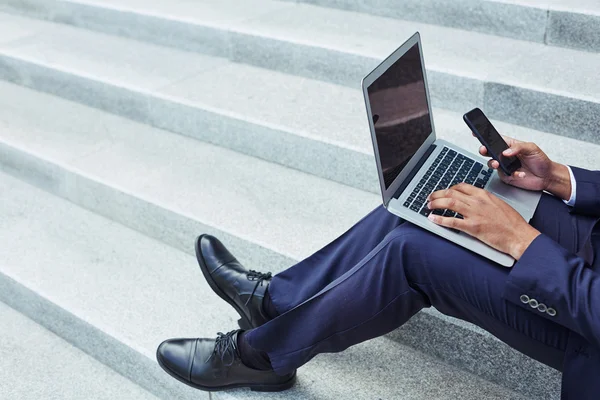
(244, 322)
(279, 387)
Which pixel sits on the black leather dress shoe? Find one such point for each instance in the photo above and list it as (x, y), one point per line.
(214, 364)
(244, 290)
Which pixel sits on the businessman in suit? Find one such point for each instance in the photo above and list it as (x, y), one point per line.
(382, 271)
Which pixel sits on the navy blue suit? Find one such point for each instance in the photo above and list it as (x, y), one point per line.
(382, 271)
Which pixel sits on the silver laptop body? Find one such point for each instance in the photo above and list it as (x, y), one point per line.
(411, 160)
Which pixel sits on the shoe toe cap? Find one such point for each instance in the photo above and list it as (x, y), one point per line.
(211, 252)
(175, 356)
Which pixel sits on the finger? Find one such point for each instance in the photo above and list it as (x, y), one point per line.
(450, 193)
(467, 189)
(519, 174)
(483, 150)
(448, 222)
(449, 204)
(510, 141)
(517, 148)
(493, 164)
(510, 179)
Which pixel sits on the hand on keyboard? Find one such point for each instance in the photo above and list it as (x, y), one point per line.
(485, 216)
(448, 169)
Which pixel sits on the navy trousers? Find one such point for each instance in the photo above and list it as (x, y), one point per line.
(382, 271)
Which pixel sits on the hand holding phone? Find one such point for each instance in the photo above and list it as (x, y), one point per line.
(489, 137)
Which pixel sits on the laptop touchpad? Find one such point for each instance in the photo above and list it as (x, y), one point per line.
(516, 197)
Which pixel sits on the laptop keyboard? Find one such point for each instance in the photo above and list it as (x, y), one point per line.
(448, 169)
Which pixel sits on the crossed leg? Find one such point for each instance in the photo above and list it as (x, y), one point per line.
(381, 272)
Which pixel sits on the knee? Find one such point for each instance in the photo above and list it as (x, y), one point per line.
(419, 252)
(408, 237)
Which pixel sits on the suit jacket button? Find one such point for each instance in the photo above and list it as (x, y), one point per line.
(533, 303)
(551, 312)
(524, 299)
(542, 307)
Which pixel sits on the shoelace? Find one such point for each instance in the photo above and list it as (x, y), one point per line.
(260, 278)
(225, 344)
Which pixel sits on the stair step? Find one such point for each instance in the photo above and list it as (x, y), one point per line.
(530, 84)
(106, 162)
(556, 22)
(117, 294)
(271, 115)
(37, 364)
(172, 188)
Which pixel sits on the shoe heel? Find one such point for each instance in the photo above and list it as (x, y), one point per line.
(244, 325)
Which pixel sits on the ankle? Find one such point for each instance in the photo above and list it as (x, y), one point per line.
(251, 357)
(268, 308)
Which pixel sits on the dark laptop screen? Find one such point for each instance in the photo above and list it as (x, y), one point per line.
(400, 113)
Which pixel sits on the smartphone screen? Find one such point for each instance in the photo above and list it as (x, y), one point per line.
(491, 139)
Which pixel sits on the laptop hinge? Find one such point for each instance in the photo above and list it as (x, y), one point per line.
(414, 171)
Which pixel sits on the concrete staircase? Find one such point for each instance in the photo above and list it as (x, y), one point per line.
(37, 364)
(128, 127)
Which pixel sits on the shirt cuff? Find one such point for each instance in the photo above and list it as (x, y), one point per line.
(573, 198)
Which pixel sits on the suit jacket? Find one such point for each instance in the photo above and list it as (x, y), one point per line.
(564, 282)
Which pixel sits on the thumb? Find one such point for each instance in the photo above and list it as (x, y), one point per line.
(520, 148)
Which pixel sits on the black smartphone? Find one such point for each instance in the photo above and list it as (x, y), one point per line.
(491, 139)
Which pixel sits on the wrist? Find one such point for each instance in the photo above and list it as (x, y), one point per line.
(559, 181)
(523, 241)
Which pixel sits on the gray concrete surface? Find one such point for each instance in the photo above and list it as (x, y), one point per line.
(566, 23)
(465, 68)
(37, 364)
(117, 294)
(251, 76)
(570, 23)
(575, 30)
(165, 186)
(519, 21)
(271, 115)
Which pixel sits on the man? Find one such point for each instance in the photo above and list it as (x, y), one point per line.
(374, 277)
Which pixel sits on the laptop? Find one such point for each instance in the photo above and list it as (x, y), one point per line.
(412, 162)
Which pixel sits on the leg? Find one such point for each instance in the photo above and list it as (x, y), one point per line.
(301, 281)
(399, 277)
(395, 279)
(368, 300)
(392, 282)
(195, 361)
(523, 330)
(246, 291)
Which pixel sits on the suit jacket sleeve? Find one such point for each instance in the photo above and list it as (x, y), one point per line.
(562, 281)
(588, 192)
